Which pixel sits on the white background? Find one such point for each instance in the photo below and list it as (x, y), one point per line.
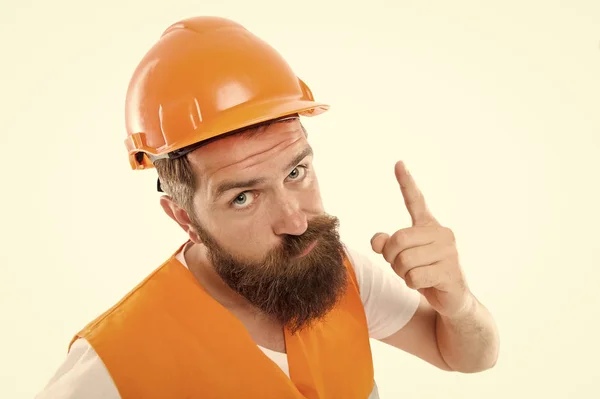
(494, 106)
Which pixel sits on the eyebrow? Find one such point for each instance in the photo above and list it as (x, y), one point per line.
(228, 185)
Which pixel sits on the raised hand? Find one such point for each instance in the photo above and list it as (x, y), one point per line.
(425, 254)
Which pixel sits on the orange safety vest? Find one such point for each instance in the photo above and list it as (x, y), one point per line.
(169, 339)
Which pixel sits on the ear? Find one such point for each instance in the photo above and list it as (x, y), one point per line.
(180, 216)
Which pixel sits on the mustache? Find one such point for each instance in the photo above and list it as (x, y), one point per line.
(319, 226)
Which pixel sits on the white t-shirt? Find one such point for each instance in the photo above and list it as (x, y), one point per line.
(389, 305)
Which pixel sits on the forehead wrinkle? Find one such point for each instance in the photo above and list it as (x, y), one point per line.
(250, 162)
(259, 157)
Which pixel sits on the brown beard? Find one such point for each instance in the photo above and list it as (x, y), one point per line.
(294, 291)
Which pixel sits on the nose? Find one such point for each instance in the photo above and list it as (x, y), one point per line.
(290, 219)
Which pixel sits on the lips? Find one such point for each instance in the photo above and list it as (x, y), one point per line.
(308, 249)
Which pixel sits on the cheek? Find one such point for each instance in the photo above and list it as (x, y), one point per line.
(249, 238)
(311, 197)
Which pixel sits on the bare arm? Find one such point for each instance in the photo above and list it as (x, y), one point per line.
(451, 328)
(467, 342)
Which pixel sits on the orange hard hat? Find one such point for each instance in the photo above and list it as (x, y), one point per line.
(205, 77)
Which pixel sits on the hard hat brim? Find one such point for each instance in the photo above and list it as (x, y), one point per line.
(141, 156)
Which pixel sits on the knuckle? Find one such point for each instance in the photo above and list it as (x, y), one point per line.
(399, 238)
(386, 252)
(399, 267)
(394, 245)
(412, 279)
(449, 234)
(404, 258)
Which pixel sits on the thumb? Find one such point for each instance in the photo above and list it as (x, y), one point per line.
(378, 242)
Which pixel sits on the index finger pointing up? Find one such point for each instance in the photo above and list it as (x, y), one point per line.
(413, 197)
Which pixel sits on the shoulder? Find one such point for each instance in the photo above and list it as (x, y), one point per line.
(359, 261)
(82, 374)
(389, 304)
(368, 270)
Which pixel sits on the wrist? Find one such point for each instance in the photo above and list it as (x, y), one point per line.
(468, 308)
